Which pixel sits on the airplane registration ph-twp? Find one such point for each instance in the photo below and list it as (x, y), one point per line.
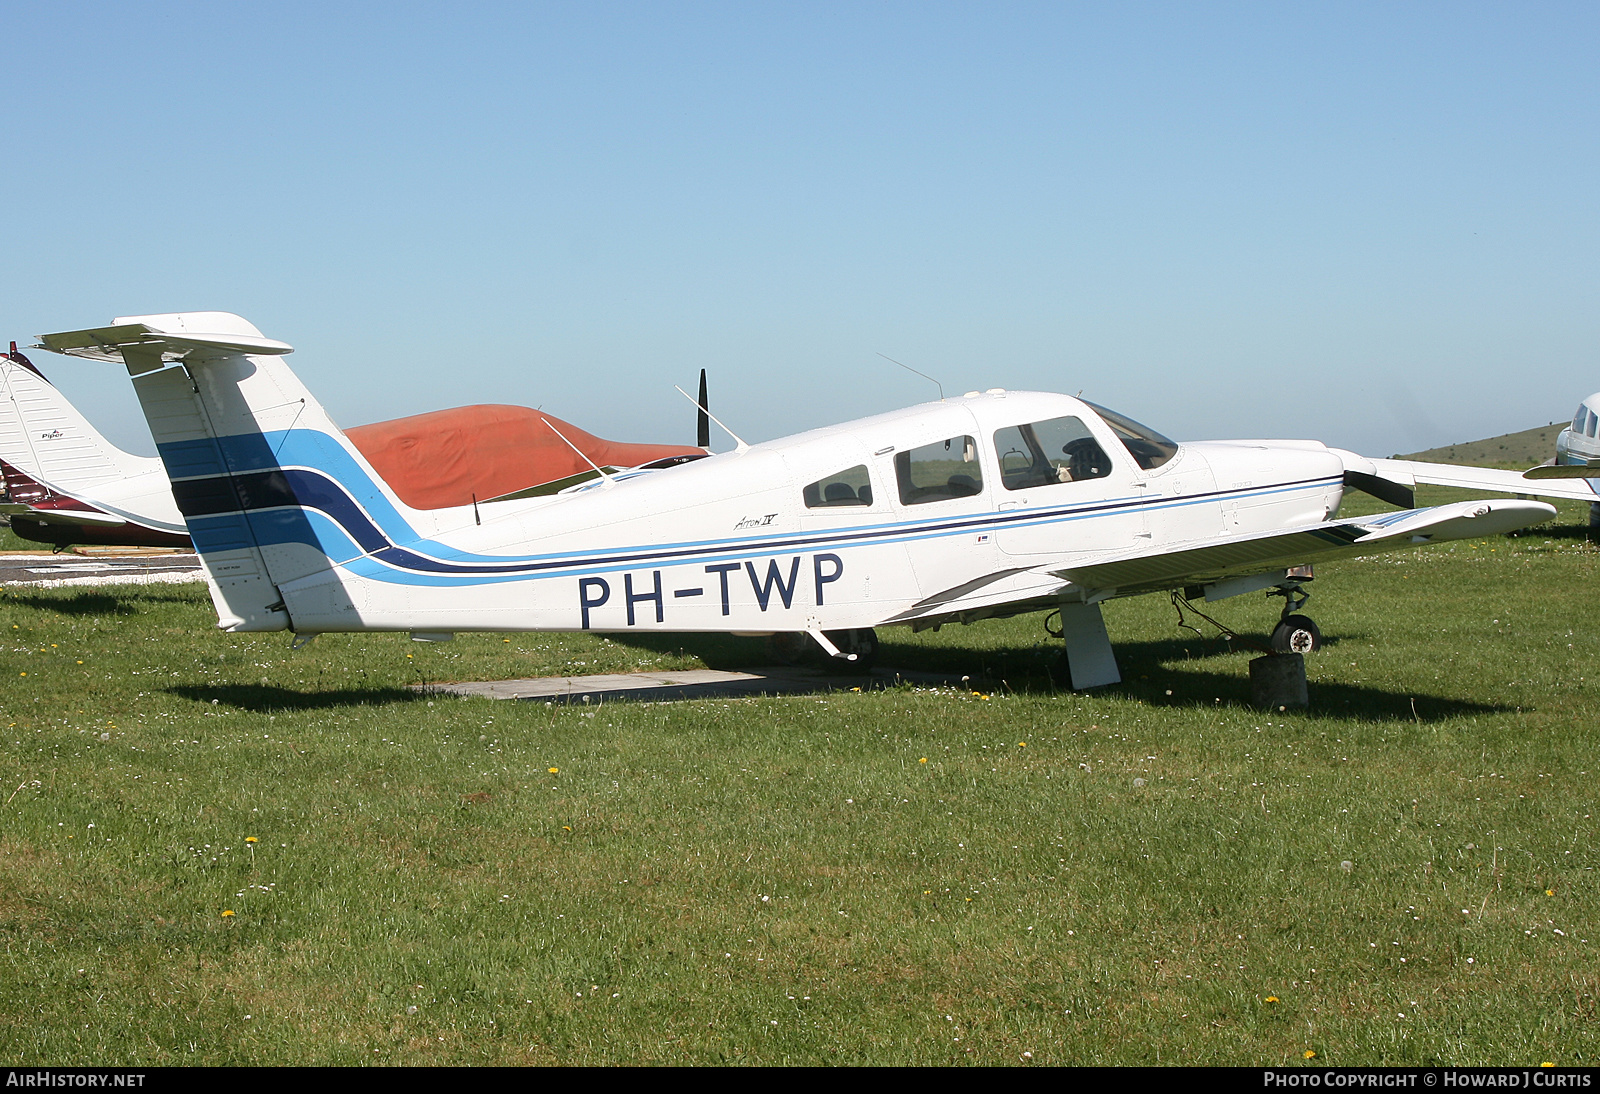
(991, 504)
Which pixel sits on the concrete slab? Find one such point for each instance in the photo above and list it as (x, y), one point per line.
(666, 687)
(49, 570)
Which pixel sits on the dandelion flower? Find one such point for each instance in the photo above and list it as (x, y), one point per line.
(923, 760)
(1022, 744)
(1272, 998)
(251, 839)
(227, 913)
(1550, 892)
(554, 770)
(1308, 1054)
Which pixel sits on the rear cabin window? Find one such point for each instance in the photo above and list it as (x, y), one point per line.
(1148, 448)
(1049, 453)
(850, 487)
(939, 471)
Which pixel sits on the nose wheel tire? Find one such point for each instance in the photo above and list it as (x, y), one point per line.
(1296, 634)
(790, 647)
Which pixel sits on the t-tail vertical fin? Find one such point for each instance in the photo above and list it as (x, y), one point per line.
(271, 489)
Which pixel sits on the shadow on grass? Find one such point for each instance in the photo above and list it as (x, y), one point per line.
(1582, 533)
(725, 652)
(1180, 672)
(1164, 683)
(1164, 673)
(130, 602)
(263, 699)
(1168, 673)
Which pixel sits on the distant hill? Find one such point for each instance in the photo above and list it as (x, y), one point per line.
(1525, 449)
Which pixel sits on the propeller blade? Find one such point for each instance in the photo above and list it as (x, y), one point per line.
(1383, 489)
(702, 434)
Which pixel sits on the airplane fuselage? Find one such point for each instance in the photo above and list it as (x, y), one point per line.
(962, 503)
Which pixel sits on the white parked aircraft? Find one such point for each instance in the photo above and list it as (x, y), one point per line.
(1578, 453)
(73, 482)
(991, 504)
(1579, 444)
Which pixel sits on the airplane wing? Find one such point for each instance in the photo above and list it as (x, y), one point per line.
(1207, 562)
(1173, 566)
(1543, 485)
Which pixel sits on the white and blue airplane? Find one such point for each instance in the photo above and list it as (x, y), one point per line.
(1577, 454)
(992, 504)
(1578, 445)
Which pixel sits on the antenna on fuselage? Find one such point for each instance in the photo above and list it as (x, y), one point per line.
(740, 446)
(924, 375)
(607, 478)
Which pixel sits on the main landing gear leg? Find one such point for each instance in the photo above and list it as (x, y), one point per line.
(1090, 659)
(1295, 633)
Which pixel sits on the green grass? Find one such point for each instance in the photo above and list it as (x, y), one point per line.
(786, 880)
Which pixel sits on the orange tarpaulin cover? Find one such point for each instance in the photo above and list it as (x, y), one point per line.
(446, 457)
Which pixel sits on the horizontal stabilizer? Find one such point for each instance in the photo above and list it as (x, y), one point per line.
(173, 337)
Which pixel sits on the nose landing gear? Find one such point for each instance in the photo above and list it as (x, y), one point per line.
(1295, 633)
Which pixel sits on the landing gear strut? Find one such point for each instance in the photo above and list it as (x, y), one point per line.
(862, 642)
(1295, 633)
(797, 647)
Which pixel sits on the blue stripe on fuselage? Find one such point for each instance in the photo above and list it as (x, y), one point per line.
(360, 520)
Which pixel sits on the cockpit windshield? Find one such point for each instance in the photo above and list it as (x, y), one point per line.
(1148, 448)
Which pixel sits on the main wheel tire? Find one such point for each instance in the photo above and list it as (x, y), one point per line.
(1296, 634)
(862, 642)
(790, 647)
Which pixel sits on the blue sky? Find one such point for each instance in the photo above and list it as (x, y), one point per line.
(1370, 224)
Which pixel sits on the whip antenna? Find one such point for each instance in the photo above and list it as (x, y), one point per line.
(924, 375)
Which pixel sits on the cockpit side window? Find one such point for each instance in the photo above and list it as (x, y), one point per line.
(939, 471)
(1148, 448)
(848, 487)
(1049, 453)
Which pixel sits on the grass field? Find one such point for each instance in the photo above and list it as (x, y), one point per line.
(216, 851)
(1519, 450)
